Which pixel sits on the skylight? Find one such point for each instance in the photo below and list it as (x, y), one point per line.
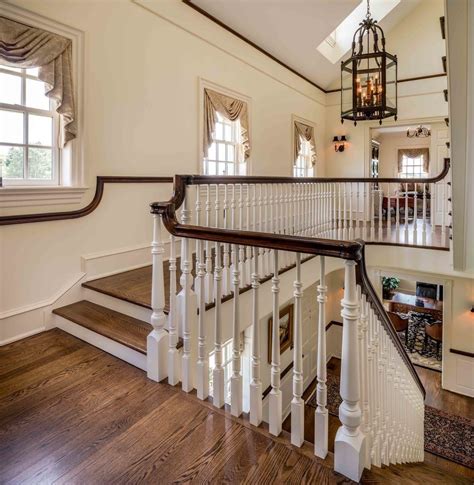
(339, 41)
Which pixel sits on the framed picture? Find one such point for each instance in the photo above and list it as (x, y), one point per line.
(286, 331)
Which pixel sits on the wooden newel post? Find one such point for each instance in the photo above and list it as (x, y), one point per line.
(349, 447)
(157, 340)
(321, 412)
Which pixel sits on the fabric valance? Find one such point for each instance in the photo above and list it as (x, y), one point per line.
(22, 46)
(230, 108)
(414, 153)
(307, 133)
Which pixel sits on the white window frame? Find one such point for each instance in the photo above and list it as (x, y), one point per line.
(404, 174)
(69, 187)
(26, 110)
(303, 166)
(244, 166)
(304, 161)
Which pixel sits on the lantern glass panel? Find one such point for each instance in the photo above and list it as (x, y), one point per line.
(346, 84)
(391, 86)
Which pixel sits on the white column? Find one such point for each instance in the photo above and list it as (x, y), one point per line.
(275, 399)
(349, 447)
(256, 383)
(297, 404)
(157, 340)
(321, 412)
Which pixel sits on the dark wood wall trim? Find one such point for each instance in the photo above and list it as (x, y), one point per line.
(462, 352)
(189, 3)
(99, 192)
(211, 17)
(331, 323)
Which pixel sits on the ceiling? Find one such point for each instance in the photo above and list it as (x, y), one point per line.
(291, 30)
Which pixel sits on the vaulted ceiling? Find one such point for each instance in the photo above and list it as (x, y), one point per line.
(291, 30)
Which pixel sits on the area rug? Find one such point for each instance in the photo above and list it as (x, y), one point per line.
(446, 435)
(420, 354)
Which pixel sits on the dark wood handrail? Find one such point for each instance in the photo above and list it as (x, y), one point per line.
(99, 192)
(262, 179)
(351, 250)
(366, 286)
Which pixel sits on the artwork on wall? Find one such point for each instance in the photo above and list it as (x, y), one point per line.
(286, 331)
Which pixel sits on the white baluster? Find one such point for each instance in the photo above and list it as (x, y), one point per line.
(372, 213)
(321, 424)
(208, 278)
(187, 304)
(297, 404)
(202, 365)
(248, 227)
(173, 354)
(389, 215)
(349, 447)
(218, 372)
(415, 215)
(157, 340)
(256, 383)
(406, 213)
(365, 188)
(242, 265)
(423, 227)
(236, 379)
(380, 192)
(275, 399)
(226, 285)
(351, 224)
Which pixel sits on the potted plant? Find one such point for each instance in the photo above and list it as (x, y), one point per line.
(389, 284)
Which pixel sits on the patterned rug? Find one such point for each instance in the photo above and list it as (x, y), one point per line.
(446, 435)
(421, 354)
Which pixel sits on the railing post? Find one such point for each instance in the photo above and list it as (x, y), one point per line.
(256, 383)
(297, 404)
(275, 399)
(321, 412)
(349, 447)
(157, 340)
(218, 372)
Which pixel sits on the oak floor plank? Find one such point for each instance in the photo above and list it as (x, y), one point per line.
(89, 418)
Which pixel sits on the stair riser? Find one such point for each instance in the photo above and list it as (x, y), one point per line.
(118, 350)
(122, 306)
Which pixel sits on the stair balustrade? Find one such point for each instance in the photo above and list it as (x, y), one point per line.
(268, 231)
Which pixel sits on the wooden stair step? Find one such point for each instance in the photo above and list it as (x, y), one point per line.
(116, 326)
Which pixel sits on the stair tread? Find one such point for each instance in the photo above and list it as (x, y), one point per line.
(133, 286)
(121, 328)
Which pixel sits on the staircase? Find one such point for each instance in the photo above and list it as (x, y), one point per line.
(259, 242)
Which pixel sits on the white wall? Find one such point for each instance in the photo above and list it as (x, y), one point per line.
(141, 115)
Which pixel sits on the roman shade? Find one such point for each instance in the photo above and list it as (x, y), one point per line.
(22, 46)
(306, 132)
(230, 108)
(414, 153)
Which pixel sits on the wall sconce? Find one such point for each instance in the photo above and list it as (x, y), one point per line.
(339, 143)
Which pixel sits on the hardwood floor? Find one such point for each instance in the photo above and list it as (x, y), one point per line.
(70, 413)
(435, 397)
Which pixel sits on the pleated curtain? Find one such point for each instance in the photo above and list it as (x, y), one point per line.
(22, 46)
(414, 153)
(306, 132)
(230, 108)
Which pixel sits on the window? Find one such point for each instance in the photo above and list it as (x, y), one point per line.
(303, 166)
(226, 365)
(412, 167)
(29, 127)
(225, 153)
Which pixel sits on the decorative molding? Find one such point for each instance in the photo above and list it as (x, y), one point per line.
(99, 192)
(14, 196)
(462, 352)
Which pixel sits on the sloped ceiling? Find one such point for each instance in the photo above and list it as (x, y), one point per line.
(291, 30)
